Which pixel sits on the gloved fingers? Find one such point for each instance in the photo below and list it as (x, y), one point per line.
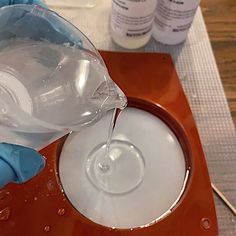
(7, 174)
(35, 23)
(13, 2)
(19, 163)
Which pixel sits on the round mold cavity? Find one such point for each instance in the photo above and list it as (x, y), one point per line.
(156, 172)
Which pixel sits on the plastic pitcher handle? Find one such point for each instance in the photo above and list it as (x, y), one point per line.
(18, 164)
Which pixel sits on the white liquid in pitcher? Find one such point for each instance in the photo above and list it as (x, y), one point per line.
(63, 87)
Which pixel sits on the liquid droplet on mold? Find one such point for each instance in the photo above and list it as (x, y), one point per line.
(5, 214)
(206, 223)
(47, 228)
(5, 197)
(61, 212)
(50, 185)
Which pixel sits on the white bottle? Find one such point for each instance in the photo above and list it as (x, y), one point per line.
(173, 18)
(131, 22)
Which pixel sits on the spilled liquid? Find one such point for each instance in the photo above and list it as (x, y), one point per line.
(61, 212)
(47, 228)
(5, 197)
(5, 214)
(50, 185)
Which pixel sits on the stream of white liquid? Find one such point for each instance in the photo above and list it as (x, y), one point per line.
(104, 165)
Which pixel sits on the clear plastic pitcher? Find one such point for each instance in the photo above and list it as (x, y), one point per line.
(52, 79)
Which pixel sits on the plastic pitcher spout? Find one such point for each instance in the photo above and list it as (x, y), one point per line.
(116, 100)
(110, 96)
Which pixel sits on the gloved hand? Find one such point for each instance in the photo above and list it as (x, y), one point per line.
(12, 2)
(18, 164)
(35, 24)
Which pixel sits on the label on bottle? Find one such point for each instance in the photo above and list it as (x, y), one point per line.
(175, 15)
(132, 18)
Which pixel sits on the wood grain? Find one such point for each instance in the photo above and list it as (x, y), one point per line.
(220, 19)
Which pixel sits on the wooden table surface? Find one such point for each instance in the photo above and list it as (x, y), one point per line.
(220, 19)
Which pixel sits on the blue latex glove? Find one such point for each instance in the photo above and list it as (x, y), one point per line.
(18, 164)
(12, 2)
(36, 25)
